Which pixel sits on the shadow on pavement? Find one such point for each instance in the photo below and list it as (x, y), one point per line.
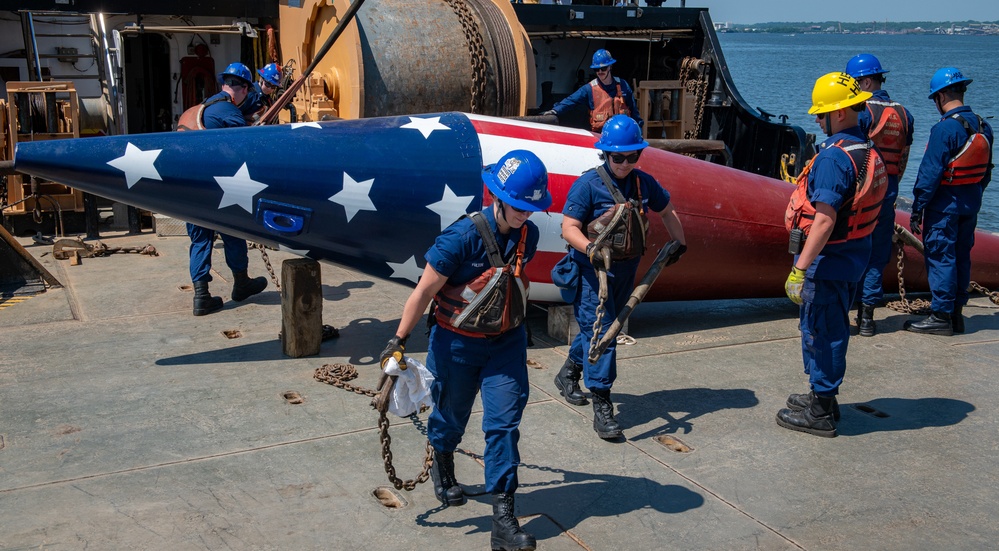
(637, 410)
(890, 414)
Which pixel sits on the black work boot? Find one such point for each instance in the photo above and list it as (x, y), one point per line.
(446, 487)
(865, 320)
(204, 302)
(507, 533)
(937, 323)
(957, 319)
(243, 287)
(603, 416)
(798, 402)
(816, 419)
(567, 382)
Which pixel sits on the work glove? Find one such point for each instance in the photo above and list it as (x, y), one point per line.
(595, 254)
(915, 222)
(793, 285)
(549, 112)
(676, 255)
(394, 349)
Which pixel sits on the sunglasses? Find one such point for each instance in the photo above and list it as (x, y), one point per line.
(602, 69)
(620, 158)
(519, 211)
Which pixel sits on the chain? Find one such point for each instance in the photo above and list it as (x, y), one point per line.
(992, 295)
(697, 87)
(603, 293)
(918, 306)
(338, 375)
(267, 263)
(476, 51)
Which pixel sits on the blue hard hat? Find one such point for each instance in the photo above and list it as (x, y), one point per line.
(621, 133)
(948, 76)
(239, 71)
(271, 74)
(602, 58)
(863, 65)
(519, 179)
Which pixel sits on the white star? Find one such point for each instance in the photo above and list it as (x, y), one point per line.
(354, 196)
(295, 125)
(239, 189)
(450, 207)
(425, 126)
(137, 164)
(406, 270)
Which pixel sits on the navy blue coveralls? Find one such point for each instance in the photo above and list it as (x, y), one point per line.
(872, 281)
(222, 114)
(831, 279)
(950, 213)
(584, 96)
(589, 198)
(464, 365)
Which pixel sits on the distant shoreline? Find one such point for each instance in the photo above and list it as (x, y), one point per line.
(960, 28)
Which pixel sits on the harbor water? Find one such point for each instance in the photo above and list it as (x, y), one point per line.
(776, 72)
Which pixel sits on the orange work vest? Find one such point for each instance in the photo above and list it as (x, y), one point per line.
(890, 131)
(972, 161)
(493, 303)
(194, 117)
(859, 215)
(604, 106)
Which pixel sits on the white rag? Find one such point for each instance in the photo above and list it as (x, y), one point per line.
(412, 387)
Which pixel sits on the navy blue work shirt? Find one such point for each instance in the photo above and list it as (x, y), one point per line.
(589, 198)
(222, 114)
(832, 181)
(947, 137)
(460, 254)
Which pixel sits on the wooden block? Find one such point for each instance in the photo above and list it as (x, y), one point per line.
(301, 307)
(75, 260)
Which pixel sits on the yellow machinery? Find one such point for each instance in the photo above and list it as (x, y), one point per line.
(411, 56)
(38, 111)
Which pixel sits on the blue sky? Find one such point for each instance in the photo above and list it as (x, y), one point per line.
(747, 11)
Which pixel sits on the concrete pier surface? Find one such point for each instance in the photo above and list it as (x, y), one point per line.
(127, 423)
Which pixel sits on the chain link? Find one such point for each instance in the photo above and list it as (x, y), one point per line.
(338, 375)
(918, 306)
(476, 52)
(267, 264)
(698, 87)
(603, 293)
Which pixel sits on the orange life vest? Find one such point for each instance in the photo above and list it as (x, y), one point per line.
(972, 161)
(604, 106)
(194, 117)
(493, 303)
(890, 131)
(859, 215)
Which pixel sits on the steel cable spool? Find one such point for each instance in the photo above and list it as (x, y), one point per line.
(402, 57)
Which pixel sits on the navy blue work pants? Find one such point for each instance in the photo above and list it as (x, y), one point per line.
(947, 243)
(621, 282)
(825, 332)
(872, 282)
(463, 366)
(201, 252)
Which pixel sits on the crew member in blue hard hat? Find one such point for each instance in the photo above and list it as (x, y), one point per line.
(475, 265)
(220, 111)
(955, 170)
(263, 93)
(605, 95)
(590, 205)
(889, 125)
(836, 206)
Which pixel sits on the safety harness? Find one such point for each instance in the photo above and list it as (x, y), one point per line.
(623, 233)
(494, 302)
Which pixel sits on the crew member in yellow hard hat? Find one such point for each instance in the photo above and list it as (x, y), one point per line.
(835, 206)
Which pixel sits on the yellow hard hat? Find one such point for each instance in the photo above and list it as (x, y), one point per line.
(835, 91)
